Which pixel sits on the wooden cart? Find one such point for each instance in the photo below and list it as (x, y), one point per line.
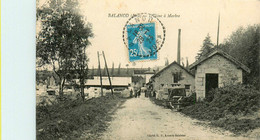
(175, 96)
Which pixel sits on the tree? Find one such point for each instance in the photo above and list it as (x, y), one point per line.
(81, 68)
(104, 71)
(182, 62)
(244, 45)
(127, 65)
(118, 72)
(166, 62)
(93, 71)
(206, 47)
(187, 63)
(62, 39)
(112, 71)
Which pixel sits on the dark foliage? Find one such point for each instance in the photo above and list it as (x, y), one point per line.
(206, 47)
(236, 100)
(62, 40)
(244, 45)
(191, 100)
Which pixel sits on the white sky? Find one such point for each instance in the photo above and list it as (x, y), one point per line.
(197, 18)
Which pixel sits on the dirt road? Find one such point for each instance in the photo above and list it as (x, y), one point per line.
(140, 119)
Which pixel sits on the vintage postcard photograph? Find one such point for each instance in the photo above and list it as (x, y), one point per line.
(147, 69)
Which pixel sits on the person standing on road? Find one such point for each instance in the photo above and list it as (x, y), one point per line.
(154, 93)
(131, 93)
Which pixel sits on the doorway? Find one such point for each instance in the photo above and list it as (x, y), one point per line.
(211, 81)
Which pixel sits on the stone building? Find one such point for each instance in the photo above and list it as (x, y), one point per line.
(217, 69)
(173, 75)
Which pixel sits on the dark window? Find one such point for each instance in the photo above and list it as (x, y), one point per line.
(187, 86)
(175, 78)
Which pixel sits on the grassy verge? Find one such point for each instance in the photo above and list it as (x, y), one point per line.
(234, 108)
(70, 119)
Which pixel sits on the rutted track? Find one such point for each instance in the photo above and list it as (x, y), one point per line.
(140, 119)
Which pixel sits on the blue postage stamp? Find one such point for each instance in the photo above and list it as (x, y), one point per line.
(141, 41)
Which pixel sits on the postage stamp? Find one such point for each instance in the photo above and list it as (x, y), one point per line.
(144, 35)
(141, 41)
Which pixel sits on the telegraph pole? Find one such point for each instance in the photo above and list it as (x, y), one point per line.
(107, 73)
(100, 74)
(218, 28)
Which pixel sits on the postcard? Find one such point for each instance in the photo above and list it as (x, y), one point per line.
(143, 69)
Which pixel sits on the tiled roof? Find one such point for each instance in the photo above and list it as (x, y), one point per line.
(225, 55)
(173, 63)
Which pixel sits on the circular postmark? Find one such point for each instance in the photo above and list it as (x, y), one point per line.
(143, 35)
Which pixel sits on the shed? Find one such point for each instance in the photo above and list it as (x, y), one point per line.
(173, 75)
(217, 69)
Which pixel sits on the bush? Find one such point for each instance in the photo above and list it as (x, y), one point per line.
(222, 102)
(236, 99)
(190, 100)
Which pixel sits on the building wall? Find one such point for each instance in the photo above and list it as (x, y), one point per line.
(166, 78)
(228, 73)
(147, 77)
(120, 81)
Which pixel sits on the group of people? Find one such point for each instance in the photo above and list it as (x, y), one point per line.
(136, 93)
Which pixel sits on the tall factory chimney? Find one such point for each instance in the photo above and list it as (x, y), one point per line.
(179, 48)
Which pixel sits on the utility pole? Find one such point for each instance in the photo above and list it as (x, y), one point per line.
(218, 28)
(108, 73)
(100, 74)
